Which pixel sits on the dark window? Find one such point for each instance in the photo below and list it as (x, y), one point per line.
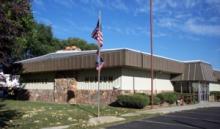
(87, 79)
(110, 78)
(96, 78)
(105, 78)
(91, 79)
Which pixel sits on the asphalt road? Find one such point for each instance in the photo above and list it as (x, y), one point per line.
(204, 118)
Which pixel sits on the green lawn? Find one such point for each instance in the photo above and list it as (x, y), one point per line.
(25, 114)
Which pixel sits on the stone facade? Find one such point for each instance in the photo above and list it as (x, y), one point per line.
(65, 91)
(41, 95)
(77, 97)
(90, 96)
(63, 95)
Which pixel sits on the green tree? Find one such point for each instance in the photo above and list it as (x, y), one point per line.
(16, 22)
(21, 37)
(41, 40)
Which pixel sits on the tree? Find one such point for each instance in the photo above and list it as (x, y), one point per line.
(41, 40)
(21, 37)
(16, 21)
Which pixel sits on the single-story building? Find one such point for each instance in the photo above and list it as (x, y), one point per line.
(71, 76)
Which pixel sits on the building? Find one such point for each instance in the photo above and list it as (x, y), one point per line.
(70, 76)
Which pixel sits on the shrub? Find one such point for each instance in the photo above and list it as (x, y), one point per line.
(188, 97)
(216, 95)
(169, 97)
(156, 100)
(133, 101)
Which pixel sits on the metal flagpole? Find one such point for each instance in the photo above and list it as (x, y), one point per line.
(151, 51)
(98, 91)
(99, 70)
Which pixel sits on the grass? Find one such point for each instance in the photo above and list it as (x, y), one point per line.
(35, 115)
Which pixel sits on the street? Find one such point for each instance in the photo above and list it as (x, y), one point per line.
(203, 118)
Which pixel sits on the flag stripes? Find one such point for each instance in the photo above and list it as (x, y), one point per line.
(99, 61)
(98, 36)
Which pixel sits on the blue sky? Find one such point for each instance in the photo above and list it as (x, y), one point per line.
(183, 29)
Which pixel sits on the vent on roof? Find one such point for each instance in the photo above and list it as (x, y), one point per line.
(69, 49)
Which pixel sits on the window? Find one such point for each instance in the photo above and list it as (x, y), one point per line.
(87, 79)
(102, 79)
(110, 78)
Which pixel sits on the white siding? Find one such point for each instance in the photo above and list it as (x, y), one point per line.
(127, 83)
(125, 79)
(141, 83)
(214, 87)
(140, 80)
(104, 85)
(39, 85)
(163, 85)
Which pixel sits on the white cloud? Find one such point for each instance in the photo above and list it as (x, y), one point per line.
(168, 22)
(172, 3)
(114, 29)
(99, 3)
(213, 1)
(142, 7)
(65, 3)
(38, 2)
(214, 19)
(45, 21)
(119, 4)
(41, 5)
(132, 31)
(191, 3)
(202, 29)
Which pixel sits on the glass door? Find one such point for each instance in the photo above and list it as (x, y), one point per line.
(204, 92)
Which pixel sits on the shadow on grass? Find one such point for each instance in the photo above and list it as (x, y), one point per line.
(86, 109)
(7, 116)
(115, 104)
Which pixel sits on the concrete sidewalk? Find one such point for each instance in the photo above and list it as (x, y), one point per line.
(159, 110)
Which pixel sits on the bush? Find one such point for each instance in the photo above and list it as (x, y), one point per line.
(156, 100)
(216, 95)
(133, 101)
(169, 97)
(188, 97)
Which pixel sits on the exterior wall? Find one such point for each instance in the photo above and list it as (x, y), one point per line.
(139, 80)
(110, 78)
(41, 95)
(90, 96)
(214, 87)
(38, 85)
(114, 81)
(163, 85)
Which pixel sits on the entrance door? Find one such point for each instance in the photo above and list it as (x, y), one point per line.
(203, 92)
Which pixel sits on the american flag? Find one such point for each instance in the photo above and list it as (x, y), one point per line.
(97, 34)
(99, 61)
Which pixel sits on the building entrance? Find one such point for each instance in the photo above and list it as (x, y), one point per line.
(203, 92)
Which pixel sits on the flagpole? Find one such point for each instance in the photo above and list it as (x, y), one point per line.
(98, 92)
(99, 71)
(151, 51)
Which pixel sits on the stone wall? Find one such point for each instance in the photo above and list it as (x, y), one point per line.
(65, 89)
(90, 96)
(78, 96)
(41, 95)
